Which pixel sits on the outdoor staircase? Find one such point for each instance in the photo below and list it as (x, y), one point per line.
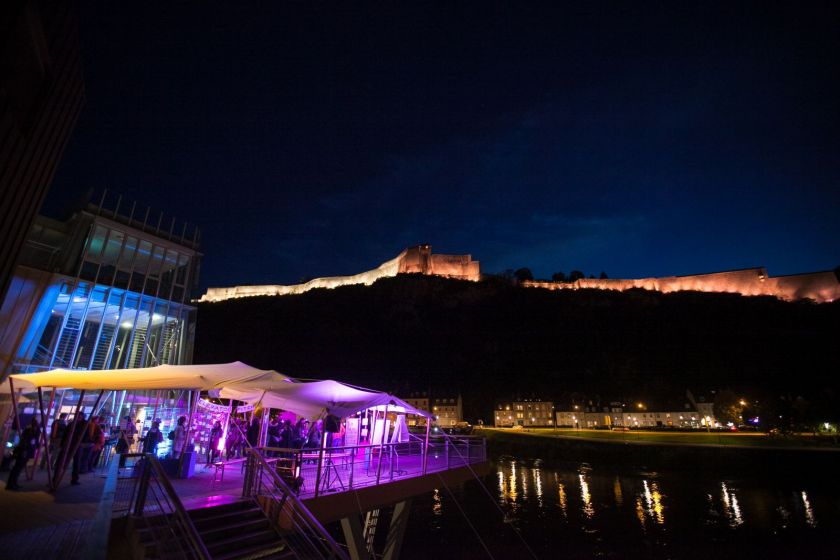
(102, 347)
(234, 531)
(67, 342)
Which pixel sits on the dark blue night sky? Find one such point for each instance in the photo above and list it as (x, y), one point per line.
(309, 141)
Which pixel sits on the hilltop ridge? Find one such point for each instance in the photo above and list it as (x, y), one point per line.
(492, 339)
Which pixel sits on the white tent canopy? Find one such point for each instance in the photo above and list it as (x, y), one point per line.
(232, 381)
(192, 377)
(313, 399)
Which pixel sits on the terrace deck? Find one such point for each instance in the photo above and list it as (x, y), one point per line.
(349, 478)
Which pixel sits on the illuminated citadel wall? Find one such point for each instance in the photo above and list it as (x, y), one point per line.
(821, 287)
(419, 260)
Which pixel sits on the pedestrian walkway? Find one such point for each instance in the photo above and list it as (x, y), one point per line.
(35, 523)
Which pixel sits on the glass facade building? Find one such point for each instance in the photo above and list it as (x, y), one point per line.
(101, 291)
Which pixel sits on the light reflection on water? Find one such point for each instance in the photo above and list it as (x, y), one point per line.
(624, 514)
(809, 513)
(730, 506)
(521, 484)
(653, 507)
(437, 505)
(587, 509)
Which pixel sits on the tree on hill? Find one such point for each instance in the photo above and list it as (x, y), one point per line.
(576, 275)
(603, 275)
(559, 277)
(523, 274)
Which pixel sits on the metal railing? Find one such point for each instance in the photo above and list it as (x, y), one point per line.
(299, 528)
(357, 466)
(145, 493)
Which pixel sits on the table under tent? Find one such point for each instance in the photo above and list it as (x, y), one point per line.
(337, 424)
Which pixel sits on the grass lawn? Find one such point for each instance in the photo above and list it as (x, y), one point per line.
(751, 439)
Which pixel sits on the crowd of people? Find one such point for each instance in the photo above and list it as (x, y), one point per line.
(93, 436)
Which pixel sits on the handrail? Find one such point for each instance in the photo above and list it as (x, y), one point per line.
(178, 515)
(96, 547)
(307, 523)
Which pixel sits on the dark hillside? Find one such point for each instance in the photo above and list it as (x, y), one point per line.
(494, 340)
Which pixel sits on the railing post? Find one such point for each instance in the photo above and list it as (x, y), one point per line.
(143, 488)
(381, 442)
(426, 445)
(249, 472)
(352, 466)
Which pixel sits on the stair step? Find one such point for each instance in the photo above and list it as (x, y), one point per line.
(210, 523)
(277, 550)
(241, 527)
(238, 505)
(258, 540)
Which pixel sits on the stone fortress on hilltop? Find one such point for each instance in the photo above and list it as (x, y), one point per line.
(416, 260)
(821, 287)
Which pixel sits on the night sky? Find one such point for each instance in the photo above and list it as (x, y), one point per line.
(310, 140)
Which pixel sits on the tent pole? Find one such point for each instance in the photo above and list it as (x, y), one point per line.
(320, 457)
(426, 447)
(78, 443)
(44, 434)
(264, 428)
(382, 444)
(44, 417)
(14, 403)
(193, 396)
(49, 414)
(66, 444)
(225, 431)
(60, 402)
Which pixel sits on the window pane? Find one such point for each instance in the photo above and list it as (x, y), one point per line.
(141, 265)
(97, 243)
(119, 356)
(90, 331)
(106, 336)
(153, 279)
(109, 258)
(181, 277)
(168, 274)
(126, 260)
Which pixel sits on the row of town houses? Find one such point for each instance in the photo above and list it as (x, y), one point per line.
(688, 412)
(595, 414)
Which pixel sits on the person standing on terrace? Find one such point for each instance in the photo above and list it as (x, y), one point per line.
(179, 437)
(24, 451)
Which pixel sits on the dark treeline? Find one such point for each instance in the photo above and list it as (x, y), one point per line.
(493, 340)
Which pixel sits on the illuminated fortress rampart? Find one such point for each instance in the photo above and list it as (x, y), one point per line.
(821, 287)
(419, 260)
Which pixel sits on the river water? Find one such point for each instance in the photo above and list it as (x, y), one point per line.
(530, 509)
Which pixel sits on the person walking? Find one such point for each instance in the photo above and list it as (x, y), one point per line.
(97, 439)
(24, 451)
(254, 432)
(153, 438)
(69, 439)
(213, 443)
(56, 435)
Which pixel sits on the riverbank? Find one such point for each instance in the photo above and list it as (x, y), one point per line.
(633, 450)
